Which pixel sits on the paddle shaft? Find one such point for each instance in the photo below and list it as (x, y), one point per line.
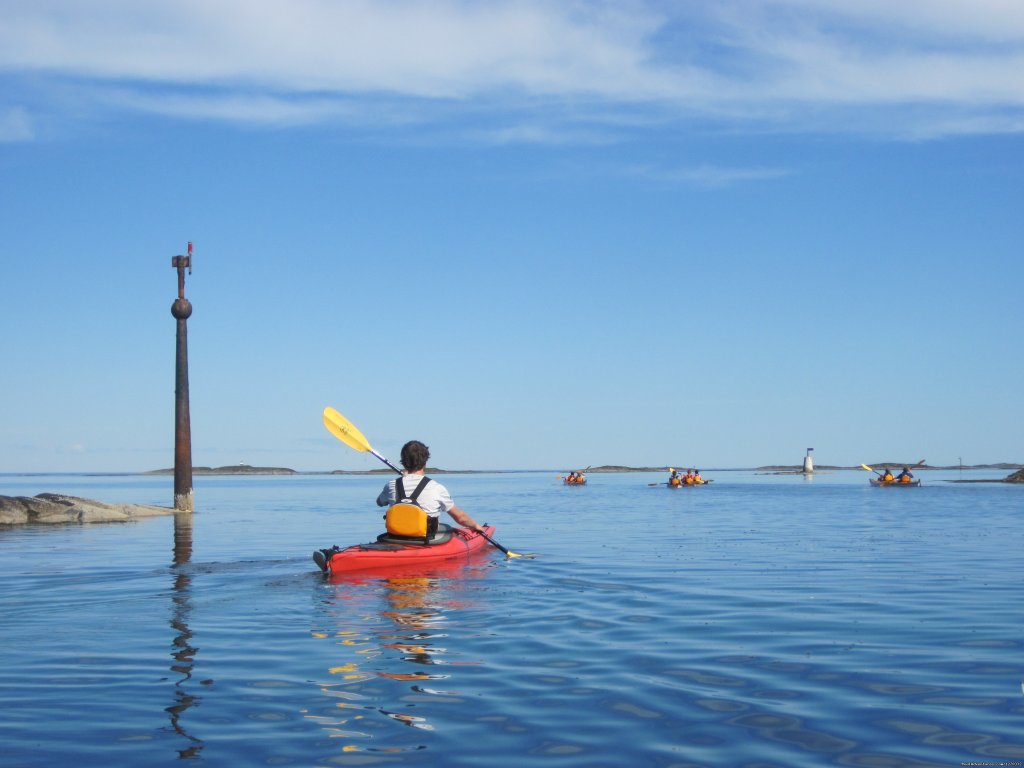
(921, 463)
(509, 554)
(385, 461)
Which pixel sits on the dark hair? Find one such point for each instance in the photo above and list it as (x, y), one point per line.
(414, 456)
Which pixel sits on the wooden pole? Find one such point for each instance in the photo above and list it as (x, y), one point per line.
(182, 309)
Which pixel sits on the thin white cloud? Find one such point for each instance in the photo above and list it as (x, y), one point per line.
(993, 21)
(266, 109)
(830, 53)
(781, 64)
(434, 49)
(709, 175)
(968, 125)
(15, 125)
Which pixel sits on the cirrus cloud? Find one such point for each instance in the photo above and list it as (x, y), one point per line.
(550, 71)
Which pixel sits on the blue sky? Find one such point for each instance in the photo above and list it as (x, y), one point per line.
(530, 234)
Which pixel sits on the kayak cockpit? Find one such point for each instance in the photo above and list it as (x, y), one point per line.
(443, 535)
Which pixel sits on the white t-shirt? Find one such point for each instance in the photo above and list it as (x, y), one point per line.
(433, 499)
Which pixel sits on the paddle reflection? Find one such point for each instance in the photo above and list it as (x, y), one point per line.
(404, 643)
(184, 651)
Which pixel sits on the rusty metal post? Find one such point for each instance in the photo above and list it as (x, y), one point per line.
(182, 309)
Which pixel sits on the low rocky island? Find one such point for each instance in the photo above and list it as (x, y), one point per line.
(60, 508)
(231, 469)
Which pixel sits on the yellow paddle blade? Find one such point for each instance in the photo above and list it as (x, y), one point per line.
(869, 469)
(345, 430)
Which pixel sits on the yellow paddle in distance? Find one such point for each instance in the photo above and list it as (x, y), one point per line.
(349, 434)
(869, 469)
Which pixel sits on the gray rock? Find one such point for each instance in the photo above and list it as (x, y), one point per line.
(60, 508)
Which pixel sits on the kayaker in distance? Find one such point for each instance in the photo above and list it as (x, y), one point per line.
(432, 497)
(887, 476)
(905, 476)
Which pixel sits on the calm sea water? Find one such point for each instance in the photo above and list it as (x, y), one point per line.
(761, 621)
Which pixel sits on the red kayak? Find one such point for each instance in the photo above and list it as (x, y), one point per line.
(389, 552)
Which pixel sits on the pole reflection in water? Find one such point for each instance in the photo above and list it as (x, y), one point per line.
(406, 630)
(184, 652)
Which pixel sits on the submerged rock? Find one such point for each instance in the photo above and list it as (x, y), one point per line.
(60, 508)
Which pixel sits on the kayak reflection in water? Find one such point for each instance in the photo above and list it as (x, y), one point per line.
(415, 617)
(417, 605)
(408, 650)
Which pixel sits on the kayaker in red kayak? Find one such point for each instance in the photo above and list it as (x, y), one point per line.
(414, 503)
(427, 494)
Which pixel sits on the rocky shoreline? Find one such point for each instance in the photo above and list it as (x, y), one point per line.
(51, 508)
(1016, 477)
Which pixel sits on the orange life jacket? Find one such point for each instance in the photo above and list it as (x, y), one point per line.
(405, 517)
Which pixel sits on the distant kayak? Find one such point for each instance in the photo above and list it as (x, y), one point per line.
(690, 485)
(388, 552)
(894, 483)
